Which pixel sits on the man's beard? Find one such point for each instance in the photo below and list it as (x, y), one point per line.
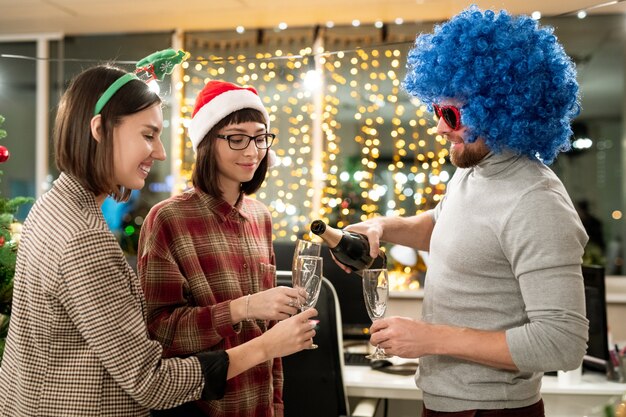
(470, 155)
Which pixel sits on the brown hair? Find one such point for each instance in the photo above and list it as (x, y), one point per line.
(77, 152)
(205, 175)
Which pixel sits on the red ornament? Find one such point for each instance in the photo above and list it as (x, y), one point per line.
(4, 154)
(1, 241)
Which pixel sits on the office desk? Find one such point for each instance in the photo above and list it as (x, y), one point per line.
(363, 381)
(560, 401)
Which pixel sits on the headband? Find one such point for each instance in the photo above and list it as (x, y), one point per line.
(155, 66)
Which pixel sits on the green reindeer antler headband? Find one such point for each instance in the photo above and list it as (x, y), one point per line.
(155, 65)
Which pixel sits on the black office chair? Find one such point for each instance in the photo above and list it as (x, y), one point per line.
(314, 384)
(595, 300)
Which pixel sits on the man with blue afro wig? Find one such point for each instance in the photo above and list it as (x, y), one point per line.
(515, 84)
(504, 296)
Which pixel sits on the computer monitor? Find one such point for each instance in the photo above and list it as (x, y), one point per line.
(354, 317)
(595, 298)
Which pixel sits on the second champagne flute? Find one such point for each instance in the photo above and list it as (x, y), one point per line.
(308, 276)
(305, 248)
(376, 293)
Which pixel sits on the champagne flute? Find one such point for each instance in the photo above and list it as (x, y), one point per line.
(305, 248)
(376, 293)
(308, 276)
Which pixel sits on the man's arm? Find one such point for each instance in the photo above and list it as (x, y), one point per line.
(409, 338)
(414, 231)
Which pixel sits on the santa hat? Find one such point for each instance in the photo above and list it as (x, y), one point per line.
(217, 100)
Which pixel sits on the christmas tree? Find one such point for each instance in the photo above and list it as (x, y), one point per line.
(9, 239)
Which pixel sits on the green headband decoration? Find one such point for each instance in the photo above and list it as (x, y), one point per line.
(155, 66)
(108, 93)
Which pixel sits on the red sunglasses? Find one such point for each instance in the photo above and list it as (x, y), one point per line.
(450, 114)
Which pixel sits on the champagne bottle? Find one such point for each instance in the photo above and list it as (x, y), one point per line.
(349, 248)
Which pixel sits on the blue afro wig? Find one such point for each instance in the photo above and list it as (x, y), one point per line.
(517, 85)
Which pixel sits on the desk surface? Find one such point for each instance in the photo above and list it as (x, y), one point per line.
(362, 381)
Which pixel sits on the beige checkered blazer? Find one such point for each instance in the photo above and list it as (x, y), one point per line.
(78, 343)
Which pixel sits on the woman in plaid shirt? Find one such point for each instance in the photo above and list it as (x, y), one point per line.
(206, 260)
(78, 344)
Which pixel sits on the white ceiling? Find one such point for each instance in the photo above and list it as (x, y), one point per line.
(91, 16)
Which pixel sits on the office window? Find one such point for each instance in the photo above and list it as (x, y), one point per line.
(18, 105)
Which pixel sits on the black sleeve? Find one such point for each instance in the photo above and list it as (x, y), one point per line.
(214, 368)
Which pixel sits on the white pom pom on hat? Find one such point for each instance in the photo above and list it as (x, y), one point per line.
(217, 100)
(272, 159)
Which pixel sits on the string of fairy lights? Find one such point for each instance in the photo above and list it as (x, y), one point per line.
(380, 150)
(378, 154)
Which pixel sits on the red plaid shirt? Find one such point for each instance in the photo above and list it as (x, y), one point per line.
(196, 254)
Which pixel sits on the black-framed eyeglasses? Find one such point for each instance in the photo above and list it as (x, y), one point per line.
(240, 141)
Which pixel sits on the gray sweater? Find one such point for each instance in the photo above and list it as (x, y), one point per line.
(505, 254)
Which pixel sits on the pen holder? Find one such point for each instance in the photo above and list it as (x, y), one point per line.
(616, 368)
(611, 373)
(615, 373)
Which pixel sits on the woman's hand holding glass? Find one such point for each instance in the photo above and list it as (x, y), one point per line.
(376, 293)
(277, 303)
(290, 335)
